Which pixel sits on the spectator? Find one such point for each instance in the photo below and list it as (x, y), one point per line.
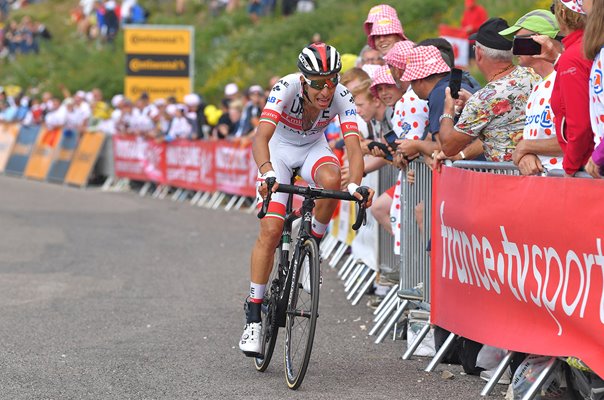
(251, 112)
(593, 45)
(288, 7)
(224, 124)
(254, 10)
(195, 113)
(231, 91)
(180, 7)
(111, 23)
(305, 6)
(494, 114)
(539, 150)
(384, 34)
(570, 97)
(4, 10)
(473, 16)
(75, 121)
(179, 127)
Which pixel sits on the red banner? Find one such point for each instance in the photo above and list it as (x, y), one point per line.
(139, 159)
(190, 165)
(518, 262)
(236, 170)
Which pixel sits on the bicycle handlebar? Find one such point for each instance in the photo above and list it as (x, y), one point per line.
(316, 193)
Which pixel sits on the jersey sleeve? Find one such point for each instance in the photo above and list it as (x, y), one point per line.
(347, 111)
(276, 101)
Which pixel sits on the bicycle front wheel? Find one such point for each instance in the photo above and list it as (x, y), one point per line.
(302, 313)
(269, 315)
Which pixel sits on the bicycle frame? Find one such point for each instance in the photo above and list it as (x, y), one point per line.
(287, 271)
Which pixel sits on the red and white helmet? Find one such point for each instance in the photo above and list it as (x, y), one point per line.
(319, 59)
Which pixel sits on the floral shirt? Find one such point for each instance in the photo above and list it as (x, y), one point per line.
(495, 114)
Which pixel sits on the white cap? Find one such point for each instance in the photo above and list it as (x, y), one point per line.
(171, 109)
(68, 101)
(256, 89)
(89, 97)
(117, 100)
(160, 102)
(192, 99)
(110, 5)
(81, 94)
(231, 89)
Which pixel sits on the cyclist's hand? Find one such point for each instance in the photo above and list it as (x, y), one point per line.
(356, 190)
(261, 182)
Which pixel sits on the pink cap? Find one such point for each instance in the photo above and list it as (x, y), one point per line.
(574, 5)
(382, 76)
(378, 12)
(422, 62)
(385, 26)
(397, 55)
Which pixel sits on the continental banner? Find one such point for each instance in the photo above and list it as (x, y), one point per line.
(8, 137)
(85, 158)
(28, 135)
(159, 61)
(518, 262)
(58, 170)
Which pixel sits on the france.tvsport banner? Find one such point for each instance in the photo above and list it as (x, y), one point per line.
(518, 262)
(159, 61)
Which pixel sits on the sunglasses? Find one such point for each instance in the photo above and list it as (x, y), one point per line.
(320, 84)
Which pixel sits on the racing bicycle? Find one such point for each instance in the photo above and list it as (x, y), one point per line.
(292, 297)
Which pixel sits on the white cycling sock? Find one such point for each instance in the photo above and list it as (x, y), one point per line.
(257, 292)
(318, 229)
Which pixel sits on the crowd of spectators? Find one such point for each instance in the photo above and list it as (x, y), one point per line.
(162, 119)
(542, 112)
(21, 37)
(102, 19)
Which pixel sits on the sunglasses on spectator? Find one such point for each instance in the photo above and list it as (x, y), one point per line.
(322, 83)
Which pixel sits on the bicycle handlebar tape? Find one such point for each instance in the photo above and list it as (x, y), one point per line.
(270, 182)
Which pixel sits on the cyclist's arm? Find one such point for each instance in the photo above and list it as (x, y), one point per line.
(260, 146)
(355, 158)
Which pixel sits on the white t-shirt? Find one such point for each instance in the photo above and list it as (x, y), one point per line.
(596, 98)
(539, 122)
(410, 116)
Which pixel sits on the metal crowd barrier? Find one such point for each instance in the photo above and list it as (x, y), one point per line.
(414, 264)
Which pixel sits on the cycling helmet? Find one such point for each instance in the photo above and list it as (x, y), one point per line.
(319, 59)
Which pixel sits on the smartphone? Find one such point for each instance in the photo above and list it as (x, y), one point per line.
(382, 147)
(525, 46)
(455, 82)
(391, 137)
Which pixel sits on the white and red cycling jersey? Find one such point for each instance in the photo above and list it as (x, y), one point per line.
(293, 147)
(284, 110)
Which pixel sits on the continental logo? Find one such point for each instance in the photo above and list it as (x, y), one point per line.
(154, 91)
(158, 41)
(157, 65)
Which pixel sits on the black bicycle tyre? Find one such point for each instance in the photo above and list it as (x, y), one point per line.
(295, 371)
(269, 317)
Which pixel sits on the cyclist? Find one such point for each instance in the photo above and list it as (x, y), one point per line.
(291, 135)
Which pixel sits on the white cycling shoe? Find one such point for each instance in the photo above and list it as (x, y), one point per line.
(251, 339)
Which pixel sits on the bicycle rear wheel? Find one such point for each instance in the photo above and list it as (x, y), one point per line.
(302, 313)
(269, 316)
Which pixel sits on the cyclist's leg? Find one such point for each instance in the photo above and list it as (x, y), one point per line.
(321, 168)
(262, 255)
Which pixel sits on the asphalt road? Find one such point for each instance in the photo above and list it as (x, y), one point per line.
(114, 296)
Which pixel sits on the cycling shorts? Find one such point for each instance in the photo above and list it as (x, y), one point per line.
(285, 157)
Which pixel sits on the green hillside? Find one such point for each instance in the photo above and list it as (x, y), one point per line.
(229, 47)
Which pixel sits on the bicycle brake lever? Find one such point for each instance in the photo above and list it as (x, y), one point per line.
(270, 182)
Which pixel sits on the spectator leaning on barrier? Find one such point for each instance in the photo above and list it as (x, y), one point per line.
(570, 97)
(429, 76)
(539, 150)
(495, 113)
(593, 44)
